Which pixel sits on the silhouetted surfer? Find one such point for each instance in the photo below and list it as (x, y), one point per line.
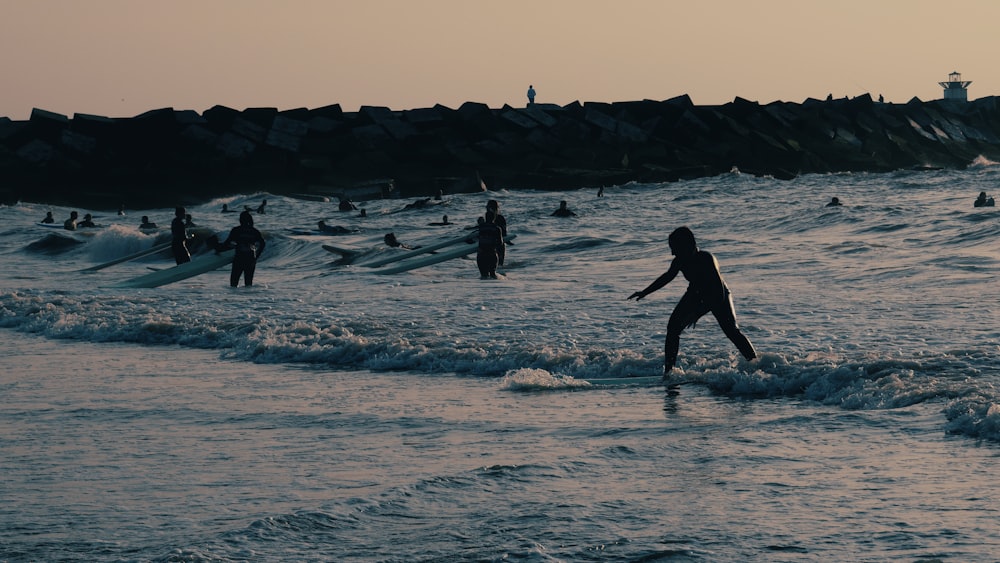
(178, 236)
(490, 243)
(706, 292)
(249, 245)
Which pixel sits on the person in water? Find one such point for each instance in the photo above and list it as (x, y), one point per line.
(490, 243)
(984, 201)
(88, 222)
(501, 221)
(262, 208)
(49, 218)
(189, 221)
(225, 209)
(444, 221)
(390, 240)
(249, 244)
(347, 205)
(178, 237)
(332, 229)
(147, 224)
(707, 292)
(70, 224)
(834, 202)
(563, 211)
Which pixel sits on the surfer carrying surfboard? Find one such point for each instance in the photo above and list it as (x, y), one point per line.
(706, 292)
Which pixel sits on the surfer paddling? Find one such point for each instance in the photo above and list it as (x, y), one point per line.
(706, 292)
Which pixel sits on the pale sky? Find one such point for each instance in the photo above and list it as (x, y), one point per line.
(120, 58)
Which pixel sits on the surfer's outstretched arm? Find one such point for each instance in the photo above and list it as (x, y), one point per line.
(659, 282)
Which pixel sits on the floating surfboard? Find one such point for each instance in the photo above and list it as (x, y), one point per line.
(636, 381)
(202, 264)
(342, 250)
(651, 380)
(420, 262)
(140, 254)
(396, 257)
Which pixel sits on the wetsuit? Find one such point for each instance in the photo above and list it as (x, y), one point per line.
(490, 243)
(178, 243)
(249, 245)
(501, 222)
(706, 292)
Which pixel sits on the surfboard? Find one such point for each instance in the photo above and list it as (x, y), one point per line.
(619, 381)
(140, 254)
(420, 262)
(342, 250)
(202, 264)
(396, 257)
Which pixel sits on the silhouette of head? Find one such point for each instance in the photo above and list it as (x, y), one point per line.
(246, 219)
(682, 242)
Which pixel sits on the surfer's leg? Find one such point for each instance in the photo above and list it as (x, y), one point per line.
(234, 275)
(248, 271)
(726, 315)
(688, 310)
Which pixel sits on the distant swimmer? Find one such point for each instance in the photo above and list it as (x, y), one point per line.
(225, 209)
(121, 210)
(70, 224)
(347, 205)
(984, 201)
(563, 211)
(333, 229)
(600, 191)
(178, 236)
(364, 213)
(262, 208)
(490, 243)
(444, 221)
(419, 204)
(49, 218)
(88, 222)
(390, 240)
(834, 202)
(249, 244)
(707, 292)
(146, 224)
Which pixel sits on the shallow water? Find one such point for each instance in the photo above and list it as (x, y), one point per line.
(330, 413)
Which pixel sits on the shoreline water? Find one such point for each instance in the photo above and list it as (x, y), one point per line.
(206, 459)
(329, 413)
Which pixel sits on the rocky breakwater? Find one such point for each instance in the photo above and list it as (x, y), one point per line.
(166, 156)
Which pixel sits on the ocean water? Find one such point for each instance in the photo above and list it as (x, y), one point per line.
(330, 413)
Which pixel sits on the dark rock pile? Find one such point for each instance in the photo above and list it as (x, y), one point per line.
(164, 156)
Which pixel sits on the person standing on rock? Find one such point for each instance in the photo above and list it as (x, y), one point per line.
(531, 95)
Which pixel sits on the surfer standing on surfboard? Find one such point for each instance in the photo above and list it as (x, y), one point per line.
(706, 292)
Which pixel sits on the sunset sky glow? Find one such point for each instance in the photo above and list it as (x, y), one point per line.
(120, 58)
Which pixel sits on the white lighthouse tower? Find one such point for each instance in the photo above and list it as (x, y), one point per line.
(956, 89)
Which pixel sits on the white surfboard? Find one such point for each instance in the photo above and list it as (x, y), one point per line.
(396, 257)
(140, 254)
(620, 381)
(420, 262)
(200, 265)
